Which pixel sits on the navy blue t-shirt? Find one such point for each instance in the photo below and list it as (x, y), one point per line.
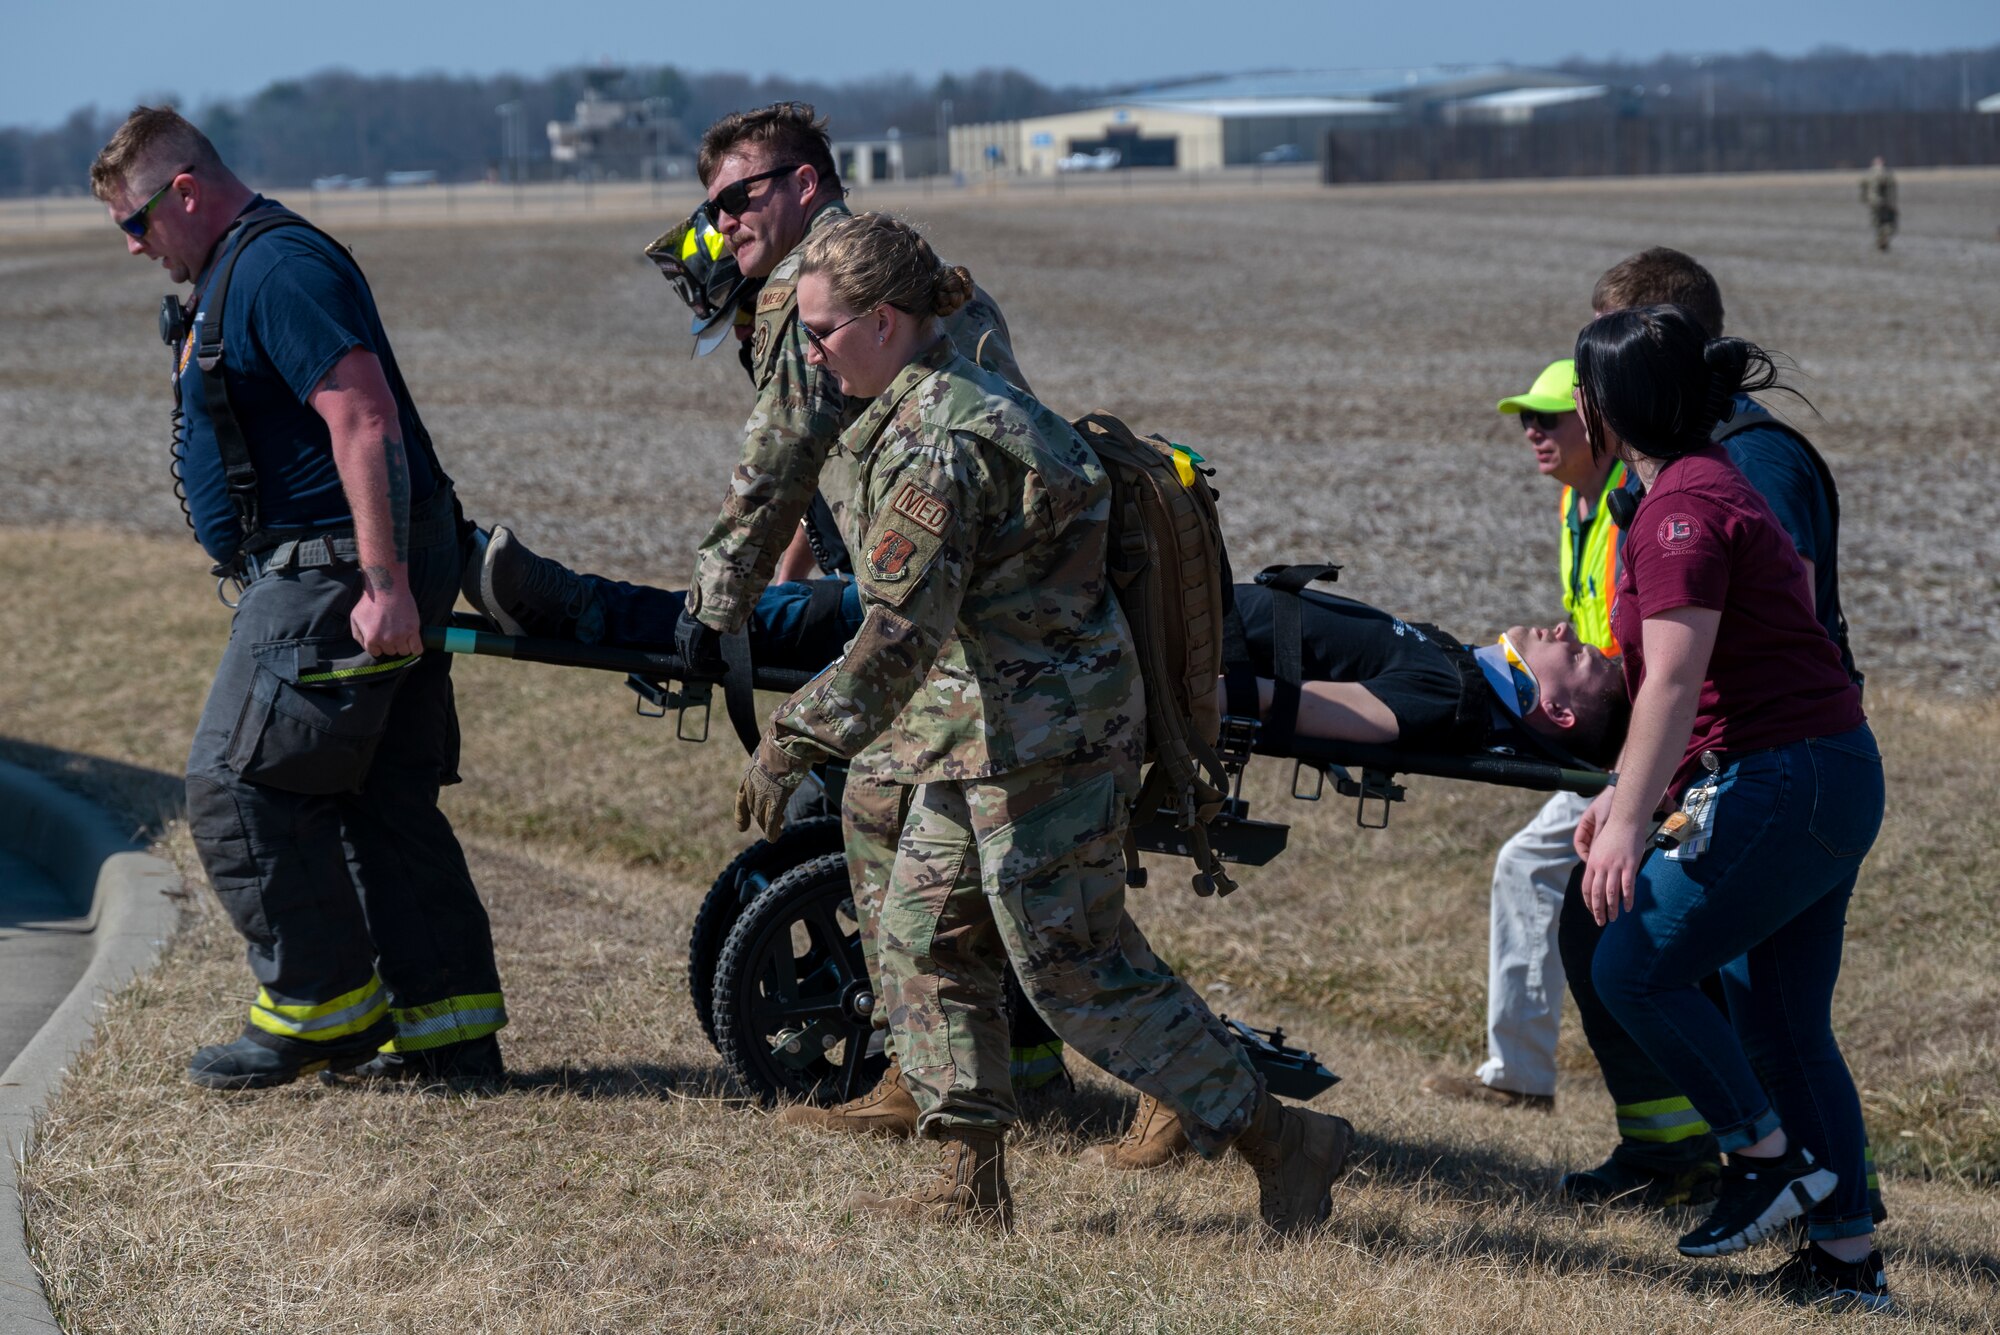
(296, 305)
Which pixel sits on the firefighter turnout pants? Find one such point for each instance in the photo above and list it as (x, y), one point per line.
(312, 791)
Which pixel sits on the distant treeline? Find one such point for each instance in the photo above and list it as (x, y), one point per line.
(342, 123)
(336, 122)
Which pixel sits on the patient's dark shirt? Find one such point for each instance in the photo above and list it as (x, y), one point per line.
(1343, 640)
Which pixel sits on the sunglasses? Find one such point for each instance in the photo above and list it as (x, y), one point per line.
(133, 224)
(1527, 690)
(818, 340)
(735, 197)
(1543, 422)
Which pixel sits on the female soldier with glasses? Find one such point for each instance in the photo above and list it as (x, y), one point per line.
(994, 672)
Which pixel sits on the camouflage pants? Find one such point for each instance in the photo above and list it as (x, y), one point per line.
(1029, 867)
(871, 822)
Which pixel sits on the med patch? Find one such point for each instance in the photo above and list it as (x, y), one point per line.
(927, 511)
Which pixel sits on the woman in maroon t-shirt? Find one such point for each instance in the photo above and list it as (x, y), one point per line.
(1742, 717)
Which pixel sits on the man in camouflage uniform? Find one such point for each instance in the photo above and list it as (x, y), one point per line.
(772, 183)
(792, 430)
(995, 673)
(1878, 193)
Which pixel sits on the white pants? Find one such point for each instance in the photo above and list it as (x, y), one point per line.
(1524, 972)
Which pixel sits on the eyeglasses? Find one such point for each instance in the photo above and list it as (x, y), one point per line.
(1527, 690)
(818, 340)
(1543, 422)
(133, 224)
(735, 197)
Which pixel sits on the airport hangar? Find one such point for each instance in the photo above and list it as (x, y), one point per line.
(1243, 119)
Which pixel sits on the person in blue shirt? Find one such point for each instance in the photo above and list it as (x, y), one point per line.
(1666, 1154)
(312, 783)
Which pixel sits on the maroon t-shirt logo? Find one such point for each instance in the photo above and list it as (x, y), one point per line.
(1677, 531)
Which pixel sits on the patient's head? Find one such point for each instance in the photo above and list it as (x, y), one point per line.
(1579, 693)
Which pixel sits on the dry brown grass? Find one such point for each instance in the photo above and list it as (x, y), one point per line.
(621, 1184)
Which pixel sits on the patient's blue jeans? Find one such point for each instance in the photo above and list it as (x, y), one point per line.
(782, 631)
(1765, 903)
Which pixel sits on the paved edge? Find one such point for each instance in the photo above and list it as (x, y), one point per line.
(128, 896)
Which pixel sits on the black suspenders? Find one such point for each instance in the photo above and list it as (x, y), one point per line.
(239, 472)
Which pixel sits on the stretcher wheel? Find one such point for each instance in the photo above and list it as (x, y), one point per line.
(791, 993)
(742, 881)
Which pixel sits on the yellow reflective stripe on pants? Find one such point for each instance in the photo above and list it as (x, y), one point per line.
(321, 1021)
(1661, 1121)
(1035, 1066)
(451, 1020)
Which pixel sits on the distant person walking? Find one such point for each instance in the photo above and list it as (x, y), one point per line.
(312, 784)
(1878, 193)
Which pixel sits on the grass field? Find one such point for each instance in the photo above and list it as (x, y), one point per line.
(1337, 354)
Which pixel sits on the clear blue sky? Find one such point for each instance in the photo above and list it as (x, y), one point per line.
(57, 55)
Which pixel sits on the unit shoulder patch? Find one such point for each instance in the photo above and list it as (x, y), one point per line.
(889, 559)
(898, 556)
(772, 297)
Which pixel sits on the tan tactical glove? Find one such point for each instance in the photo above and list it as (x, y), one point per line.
(767, 786)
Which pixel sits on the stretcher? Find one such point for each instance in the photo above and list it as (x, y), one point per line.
(775, 970)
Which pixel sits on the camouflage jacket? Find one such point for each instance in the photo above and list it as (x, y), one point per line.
(798, 418)
(990, 638)
(1878, 191)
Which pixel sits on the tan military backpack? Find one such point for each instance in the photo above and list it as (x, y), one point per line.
(1165, 557)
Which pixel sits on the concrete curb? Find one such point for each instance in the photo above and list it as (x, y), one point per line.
(128, 897)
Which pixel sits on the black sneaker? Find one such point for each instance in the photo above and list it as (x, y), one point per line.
(1814, 1276)
(471, 1067)
(1615, 1182)
(259, 1060)
(1758, 1197)
(526, 594)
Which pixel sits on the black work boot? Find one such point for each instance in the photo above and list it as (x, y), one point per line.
(259, 1060)
(471, 1067)
(526, 594)
(1644, 1181)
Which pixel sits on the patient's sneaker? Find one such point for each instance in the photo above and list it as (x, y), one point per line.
(1814, 1276)
(1474, 1090)
(1758, 1197)
(526, 594)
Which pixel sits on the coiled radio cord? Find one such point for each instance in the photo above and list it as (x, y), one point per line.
(177, 336)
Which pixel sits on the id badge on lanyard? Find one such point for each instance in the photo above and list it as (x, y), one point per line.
(1698, 805)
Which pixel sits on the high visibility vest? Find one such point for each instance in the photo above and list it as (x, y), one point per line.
(1590, 565)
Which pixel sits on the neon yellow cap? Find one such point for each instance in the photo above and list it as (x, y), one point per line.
(1554, 391)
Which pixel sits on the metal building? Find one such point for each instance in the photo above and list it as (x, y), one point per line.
(1272, 117)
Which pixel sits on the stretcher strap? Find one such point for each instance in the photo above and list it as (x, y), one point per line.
(739, 697)
(1239, 674)
(823, 603)
(1288, 644)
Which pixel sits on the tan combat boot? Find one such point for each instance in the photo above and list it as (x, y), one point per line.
(1296, 1153)
(886, 1110)
(1153, 1140)
(970, 1187)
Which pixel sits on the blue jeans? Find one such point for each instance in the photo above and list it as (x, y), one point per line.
(785, 629)
(1766, 904)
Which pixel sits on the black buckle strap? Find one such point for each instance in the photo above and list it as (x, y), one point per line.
(1288, 643)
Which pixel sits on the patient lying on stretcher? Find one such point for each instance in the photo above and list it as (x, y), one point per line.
(1367, 676)
(1371, 677)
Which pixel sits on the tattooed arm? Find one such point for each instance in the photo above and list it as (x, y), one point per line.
(360, 414)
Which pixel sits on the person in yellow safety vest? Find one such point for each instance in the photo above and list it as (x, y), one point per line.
(1524, 984)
